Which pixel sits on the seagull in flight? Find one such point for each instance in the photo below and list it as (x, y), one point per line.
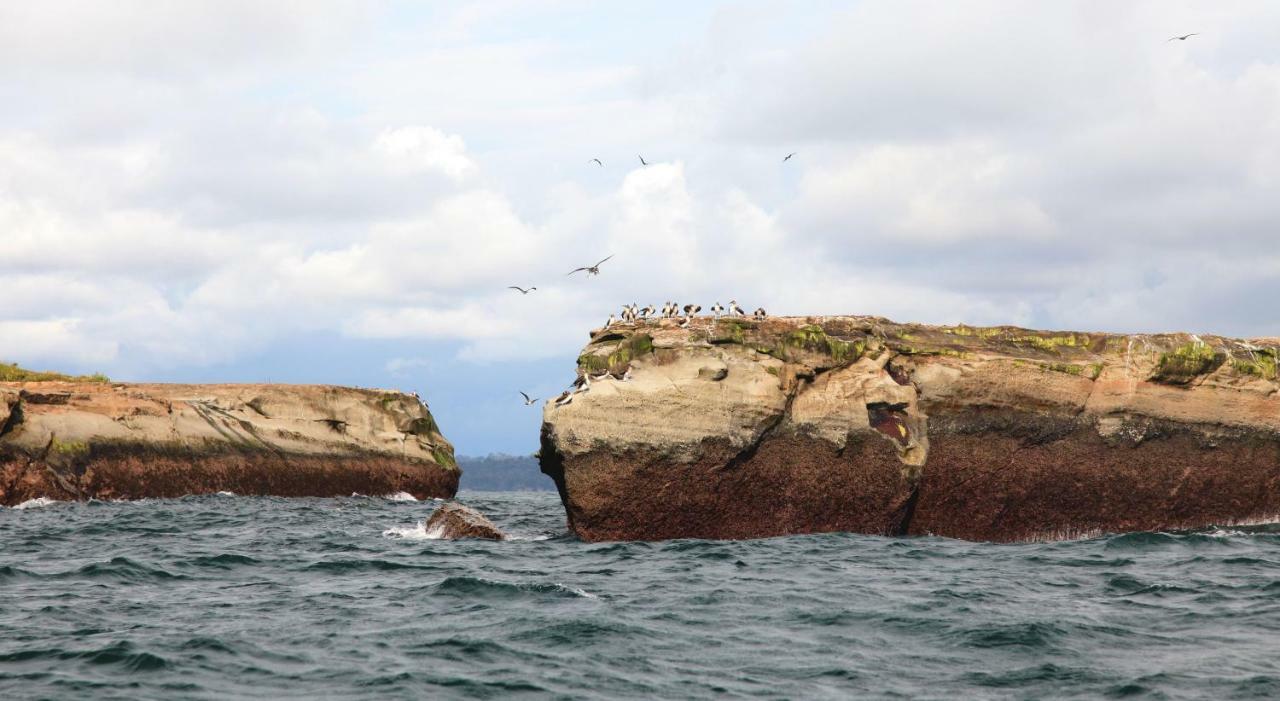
(522, 290)
(643, 162)
(1184, 37)
(789, 155)
(591, 269)
(596, 161)
(528, 401)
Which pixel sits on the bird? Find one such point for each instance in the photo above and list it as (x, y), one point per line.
(610, 321)
(522, 290)
(564, 398)
(760, 314)
(626, 376)
(604, 376)
(734, 309)
(596, 161)
(583, 383)
(591, 269)
(1184, 37)
(643, 162)
(789, 155)
(647, 311)
(528, 401)
(716, 310)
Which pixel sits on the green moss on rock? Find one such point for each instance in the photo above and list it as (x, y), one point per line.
(1185, 363)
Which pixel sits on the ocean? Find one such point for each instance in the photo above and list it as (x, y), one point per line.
(219, 597)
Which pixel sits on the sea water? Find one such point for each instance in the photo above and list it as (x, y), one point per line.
(246, 597)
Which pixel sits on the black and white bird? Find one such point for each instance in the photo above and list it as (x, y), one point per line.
(734, 309)
(564, 398)
(644, 313)
(522, 290)
(716, 310)
(610, 321)
(789, 155)
(759, 314)
(596, 161)
(583, 383)
(1184, 37)
(528, 401)
(591, 269)
(606, 375)
(643, 162)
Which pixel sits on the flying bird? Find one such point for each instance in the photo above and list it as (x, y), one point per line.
(528, 401)
(643, 162)
(596, 161)
(591, 269)
(1184, 37)
(789, 155)
(522, 290)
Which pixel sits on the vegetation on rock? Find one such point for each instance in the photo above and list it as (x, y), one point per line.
(10, 372)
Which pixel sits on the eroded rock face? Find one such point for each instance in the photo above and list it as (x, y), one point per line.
(453, 520)
(127, 441)
(736, 429)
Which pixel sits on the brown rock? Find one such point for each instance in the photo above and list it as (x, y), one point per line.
(80, 440)
(453, 520)
(862, 424)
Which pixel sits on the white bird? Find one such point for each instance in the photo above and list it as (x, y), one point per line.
(522, 290)
(591, 269)
(716, 310)
(647, 311)
(564, 398)
(734, 309)
(1184, 37)
(583, 383)
(760, 314)
(603, 376)
(528, 401)
(626, 376)
(609, 322)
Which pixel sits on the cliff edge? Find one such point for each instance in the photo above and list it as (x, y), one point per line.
(733, 428)
(81, 440)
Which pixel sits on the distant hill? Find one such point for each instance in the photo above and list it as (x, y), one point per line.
(499, 472)
(10, 372)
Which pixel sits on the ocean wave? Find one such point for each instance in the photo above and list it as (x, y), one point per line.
(415, 532)
(400, 496)
(37, 503)
(479, 587)
(225, 493)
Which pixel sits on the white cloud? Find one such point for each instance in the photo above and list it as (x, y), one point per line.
(420, 148)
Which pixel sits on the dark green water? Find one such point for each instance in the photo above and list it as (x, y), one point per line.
(225, 597)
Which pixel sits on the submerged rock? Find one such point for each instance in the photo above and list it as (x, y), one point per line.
(736, 429)
(82, 440)
(453, 520)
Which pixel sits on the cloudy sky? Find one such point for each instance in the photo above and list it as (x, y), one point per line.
(340, 192)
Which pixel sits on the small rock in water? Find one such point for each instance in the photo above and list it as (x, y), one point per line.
(453, 520)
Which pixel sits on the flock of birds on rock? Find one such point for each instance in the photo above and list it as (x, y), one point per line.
(632, 313)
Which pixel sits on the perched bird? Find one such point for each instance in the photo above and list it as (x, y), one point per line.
(686, 321)
(1184, 37)
(596, 161)
(564, 398)
(591, 269)
(643, 162)
(603, 376)
(647, 311)
(789, 155)
(626, 376)
(759, 314)
(528, 401)
(522, 290)
(734, 309)
(583, 383)
(610, 321)
(716, 310)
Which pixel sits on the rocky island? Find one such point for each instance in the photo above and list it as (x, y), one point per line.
(733, 428)
(82, 439)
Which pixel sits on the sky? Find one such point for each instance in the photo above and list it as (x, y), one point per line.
(334, 192)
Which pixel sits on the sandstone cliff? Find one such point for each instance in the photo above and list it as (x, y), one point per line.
(80, 440)
(737, 429)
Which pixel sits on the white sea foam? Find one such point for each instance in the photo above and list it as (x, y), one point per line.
(415, 532)
(36, 503)
(226, 494)
(400, 496)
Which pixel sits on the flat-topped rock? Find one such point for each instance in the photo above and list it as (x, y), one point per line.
(734, 428)
(80, 440)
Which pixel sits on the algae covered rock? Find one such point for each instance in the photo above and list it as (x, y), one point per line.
(453, 520)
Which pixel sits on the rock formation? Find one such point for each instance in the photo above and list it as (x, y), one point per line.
(739, 429)
(453, 520)
(80, 440)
